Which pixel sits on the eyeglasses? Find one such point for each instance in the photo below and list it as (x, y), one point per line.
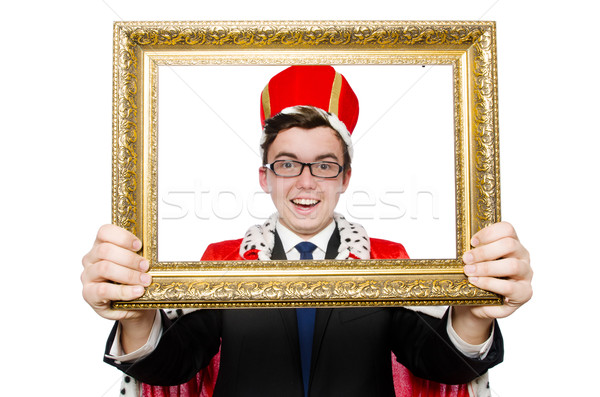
(291, 168)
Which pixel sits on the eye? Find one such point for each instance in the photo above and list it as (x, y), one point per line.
(287, 164)
(324, 166)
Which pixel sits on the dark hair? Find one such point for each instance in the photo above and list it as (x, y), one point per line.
(306, 117)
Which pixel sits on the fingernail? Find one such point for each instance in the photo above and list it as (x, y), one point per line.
(145, 278)
(470, 269)
(474, 241)
(138, 291)
(144, 266)
(468, 257)
(473, 279)
(137, 245)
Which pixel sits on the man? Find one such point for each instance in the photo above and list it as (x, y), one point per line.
(309, 112)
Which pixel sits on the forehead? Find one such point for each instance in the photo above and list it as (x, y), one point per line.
(307, 143)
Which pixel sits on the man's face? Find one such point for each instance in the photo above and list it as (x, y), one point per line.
(305, 203)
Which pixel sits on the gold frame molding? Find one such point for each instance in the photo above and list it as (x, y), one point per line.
(141, 47)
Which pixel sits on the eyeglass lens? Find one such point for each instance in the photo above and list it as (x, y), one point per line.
(323, 169)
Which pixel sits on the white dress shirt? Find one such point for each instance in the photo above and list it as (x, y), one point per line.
(289, 240)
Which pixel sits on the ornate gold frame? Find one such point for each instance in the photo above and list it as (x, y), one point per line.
(470, 47)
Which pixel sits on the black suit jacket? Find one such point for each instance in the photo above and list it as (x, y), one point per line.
(351, 353)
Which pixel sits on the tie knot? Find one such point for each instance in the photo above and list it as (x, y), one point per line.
(306, 249)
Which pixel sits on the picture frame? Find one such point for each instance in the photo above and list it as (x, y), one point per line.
(468, 49)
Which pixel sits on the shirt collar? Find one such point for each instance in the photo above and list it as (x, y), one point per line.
(289, 239)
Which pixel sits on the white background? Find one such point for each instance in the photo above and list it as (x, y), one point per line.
(402, 184)
(56, 170)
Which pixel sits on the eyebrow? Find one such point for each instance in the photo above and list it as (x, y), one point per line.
(318, 158)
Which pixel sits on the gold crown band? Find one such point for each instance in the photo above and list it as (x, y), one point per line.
(334, 99)
(266, 102)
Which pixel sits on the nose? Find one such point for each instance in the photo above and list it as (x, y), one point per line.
(305, 180)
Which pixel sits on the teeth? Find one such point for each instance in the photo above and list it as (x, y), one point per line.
(305, 201)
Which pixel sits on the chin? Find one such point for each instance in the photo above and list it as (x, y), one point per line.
(308, 227)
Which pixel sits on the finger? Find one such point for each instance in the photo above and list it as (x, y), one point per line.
(99, 295)
(508, 267)
(118, 236)
(506, 247)
(108, 271)
(494, 232)
(113, 253)
(516, 292)
(493, 311)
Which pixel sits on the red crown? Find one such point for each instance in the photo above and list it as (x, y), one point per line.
(310, 85)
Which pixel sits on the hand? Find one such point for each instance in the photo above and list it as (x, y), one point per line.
(499, 263)
(113, 271)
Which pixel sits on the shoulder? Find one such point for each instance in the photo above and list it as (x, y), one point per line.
(223, 250)
(385, 249)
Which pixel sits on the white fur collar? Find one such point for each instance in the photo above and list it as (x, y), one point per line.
(354, 241)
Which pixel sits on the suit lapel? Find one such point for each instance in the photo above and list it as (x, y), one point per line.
(278, 252)
(333, 245)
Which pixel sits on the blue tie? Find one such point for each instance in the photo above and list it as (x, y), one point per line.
(306, 322)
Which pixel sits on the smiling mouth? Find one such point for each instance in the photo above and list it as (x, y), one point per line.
(305, 203)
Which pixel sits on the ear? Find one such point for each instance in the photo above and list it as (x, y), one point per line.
(346, 179)
(262, 179)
